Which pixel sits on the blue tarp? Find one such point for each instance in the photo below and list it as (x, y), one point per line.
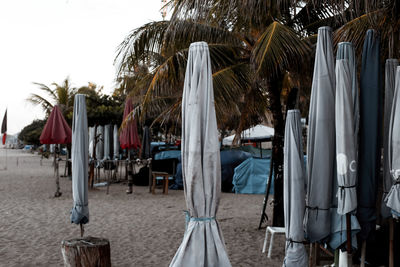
(168, 154)
(251, 177)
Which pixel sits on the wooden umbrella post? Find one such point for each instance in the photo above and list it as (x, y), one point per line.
(348, 243)
(82, 229)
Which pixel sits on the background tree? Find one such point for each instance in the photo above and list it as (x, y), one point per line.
(30, 134)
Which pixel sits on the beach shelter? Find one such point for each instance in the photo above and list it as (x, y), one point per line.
(146, 140)
(115, 142)
(203, 243)
(258, 133)
(80, 146)
(129, 137)
(390, 75)
(393, 197)
(321, 140)
(56, 131)
(369, 151)
(346, 156)
(293, 192)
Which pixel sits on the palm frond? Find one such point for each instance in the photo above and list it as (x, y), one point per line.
(36, 99)
(278, 49)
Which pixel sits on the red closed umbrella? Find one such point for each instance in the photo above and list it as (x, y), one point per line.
(129, 137)
(56, 130)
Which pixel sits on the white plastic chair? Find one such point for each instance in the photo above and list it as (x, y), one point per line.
(273, 231)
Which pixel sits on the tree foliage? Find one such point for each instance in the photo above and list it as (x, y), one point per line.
(30, 134)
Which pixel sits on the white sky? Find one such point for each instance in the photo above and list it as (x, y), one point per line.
(47, 40)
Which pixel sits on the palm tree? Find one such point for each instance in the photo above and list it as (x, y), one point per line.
(257, 48)
(61, 95)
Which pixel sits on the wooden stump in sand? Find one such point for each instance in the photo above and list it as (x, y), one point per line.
(86, 252)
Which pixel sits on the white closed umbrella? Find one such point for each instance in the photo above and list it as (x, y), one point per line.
(293, 192)
(80, 146)
(91, 141)
(115, 142)
(203, 243)
(100, 143)
(107, 142)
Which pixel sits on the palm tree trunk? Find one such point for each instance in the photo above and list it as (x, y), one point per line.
(277, 149)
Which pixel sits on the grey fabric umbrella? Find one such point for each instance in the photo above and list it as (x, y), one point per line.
(321, 140)
(116, 142)
(107, 142)
(203, 243)
(390, 75)
(145, 152)
(346, 51)
(80, 145)
(91, 141)
(369, 151)
(346, 155)
(293, 192)
(99, 145)
(393, 197)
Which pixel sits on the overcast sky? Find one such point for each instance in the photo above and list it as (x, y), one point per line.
(47, 40)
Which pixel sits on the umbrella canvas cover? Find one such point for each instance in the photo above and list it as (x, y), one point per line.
(146, 153)
(294, 192)
(321, 140)
(80, 146)
(56, 130)
(393, 197)
(369, 146)
(115, 142)
(390, 77)
(203, 243)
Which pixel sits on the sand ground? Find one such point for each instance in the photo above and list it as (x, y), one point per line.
(143, 229)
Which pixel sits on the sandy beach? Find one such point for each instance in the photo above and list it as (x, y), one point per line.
(143, 229)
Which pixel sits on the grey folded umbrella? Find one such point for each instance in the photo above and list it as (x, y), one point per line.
(346, 156)
(91, 141)
(370, 129)
(293, 192)
(346, 51)
(393, 197)
(107, 142)
(80, 145)
(390, 75)
(203, 243)
(99, 145)
(145, 152)
(321, 140)
(116, 142)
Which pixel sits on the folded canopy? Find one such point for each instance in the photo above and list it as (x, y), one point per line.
(321, 140)
(56, 130)
(202, 244)
(129, 137)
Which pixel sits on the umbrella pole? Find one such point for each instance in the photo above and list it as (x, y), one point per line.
(363, 251)
(348, 243)
(82, 229)
(391, 234)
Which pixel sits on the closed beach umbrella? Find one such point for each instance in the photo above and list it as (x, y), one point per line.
(116, 142)
(91, 141)
(56, 130)
(146, 153)
(129, 137)
(203, 243)
(346, 51)
(100, 143)
(346, 157)
(80, 145)
(107, 142)
(369, 151)
(390, 75)
(321, 140)
(293, 192)
(393, 197)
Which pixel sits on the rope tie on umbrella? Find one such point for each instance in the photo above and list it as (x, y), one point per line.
(189, 218)
(290, 241)
(317, 209)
